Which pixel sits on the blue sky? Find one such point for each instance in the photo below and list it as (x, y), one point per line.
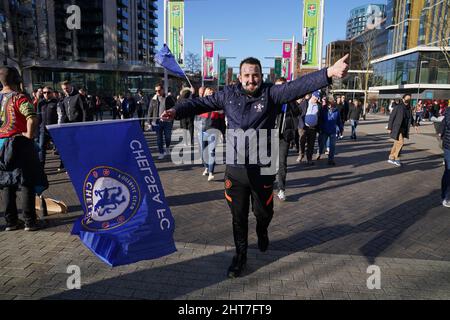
(249, 23)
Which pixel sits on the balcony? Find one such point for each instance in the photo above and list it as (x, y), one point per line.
(122, 3)
(142, 36)
(122, 25)
(153, 6)
(142, 5)
(152, 15)
(142, 16)
(123, 48)
(122, 13)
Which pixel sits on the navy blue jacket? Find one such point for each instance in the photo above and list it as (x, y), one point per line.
(445, 130)
(254, 112)
(330, 120)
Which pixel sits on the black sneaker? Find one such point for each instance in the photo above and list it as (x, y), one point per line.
(237, 266)
(32, 226)
(263, 242)
(15, 226)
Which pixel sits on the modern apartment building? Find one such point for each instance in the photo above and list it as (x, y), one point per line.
(111, 50)
(361, 16)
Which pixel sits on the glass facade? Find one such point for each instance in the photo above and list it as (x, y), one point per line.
(433, 29)
(103, 83)
(405, 70)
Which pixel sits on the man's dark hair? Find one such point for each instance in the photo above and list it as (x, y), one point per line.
(281, 79)
(252, 61)
(9, 76)
(406, 95)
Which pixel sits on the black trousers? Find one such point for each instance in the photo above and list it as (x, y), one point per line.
(9, 205)
(307, 141)
(243, 185)
(282, 171)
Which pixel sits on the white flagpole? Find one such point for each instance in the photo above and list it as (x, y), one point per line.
(203, 61)
(166, 75)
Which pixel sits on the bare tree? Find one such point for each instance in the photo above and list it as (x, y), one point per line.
(193, 63)
(20, 27)
(363, 51)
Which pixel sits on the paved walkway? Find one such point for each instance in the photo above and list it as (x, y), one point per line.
(336, 223)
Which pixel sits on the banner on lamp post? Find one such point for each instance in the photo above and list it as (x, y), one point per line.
(208, 63)
(286, 68)
(286, 65)
(287, 50)
(312, 33)
(277, 72)
(222, 71)
(176, 30)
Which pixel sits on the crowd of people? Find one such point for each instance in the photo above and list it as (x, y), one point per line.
(299, 110)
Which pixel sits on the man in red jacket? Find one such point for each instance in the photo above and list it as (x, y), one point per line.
(19, 122)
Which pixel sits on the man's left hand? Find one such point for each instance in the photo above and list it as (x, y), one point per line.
(340, 68)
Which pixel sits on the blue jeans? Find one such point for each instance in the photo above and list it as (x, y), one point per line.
(323, 142)
(446, 177)
(354, 124)
(332, 144)
(164, 129)
(41, 141)
(208, 144)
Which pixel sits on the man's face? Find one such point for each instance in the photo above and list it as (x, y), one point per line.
(39, 93)
(209, 92)
(407, 100)
(251, 78)
(67, 88)
(159, 91)
(343, 98)
(48, 94)
(314, 99)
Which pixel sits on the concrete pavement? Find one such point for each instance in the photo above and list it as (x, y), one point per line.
(337, 222)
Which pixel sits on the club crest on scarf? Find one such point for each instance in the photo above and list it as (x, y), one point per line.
(111, 198)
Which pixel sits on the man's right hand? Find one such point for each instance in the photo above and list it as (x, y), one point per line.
(168, 115)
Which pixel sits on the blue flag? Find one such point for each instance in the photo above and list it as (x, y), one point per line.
(126, 218)
(166, 59)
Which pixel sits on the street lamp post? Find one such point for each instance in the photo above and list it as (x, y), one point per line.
(354, 86)
(218, 69)
(420, 78)
(292, 53)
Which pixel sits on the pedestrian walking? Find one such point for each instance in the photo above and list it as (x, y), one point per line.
(209, 134)
(354, 116)
(400, 122)
(330, 119)
(158, 106)
(287, 124)
(309, 121)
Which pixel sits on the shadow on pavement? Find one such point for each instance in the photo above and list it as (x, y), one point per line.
(201, 273)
